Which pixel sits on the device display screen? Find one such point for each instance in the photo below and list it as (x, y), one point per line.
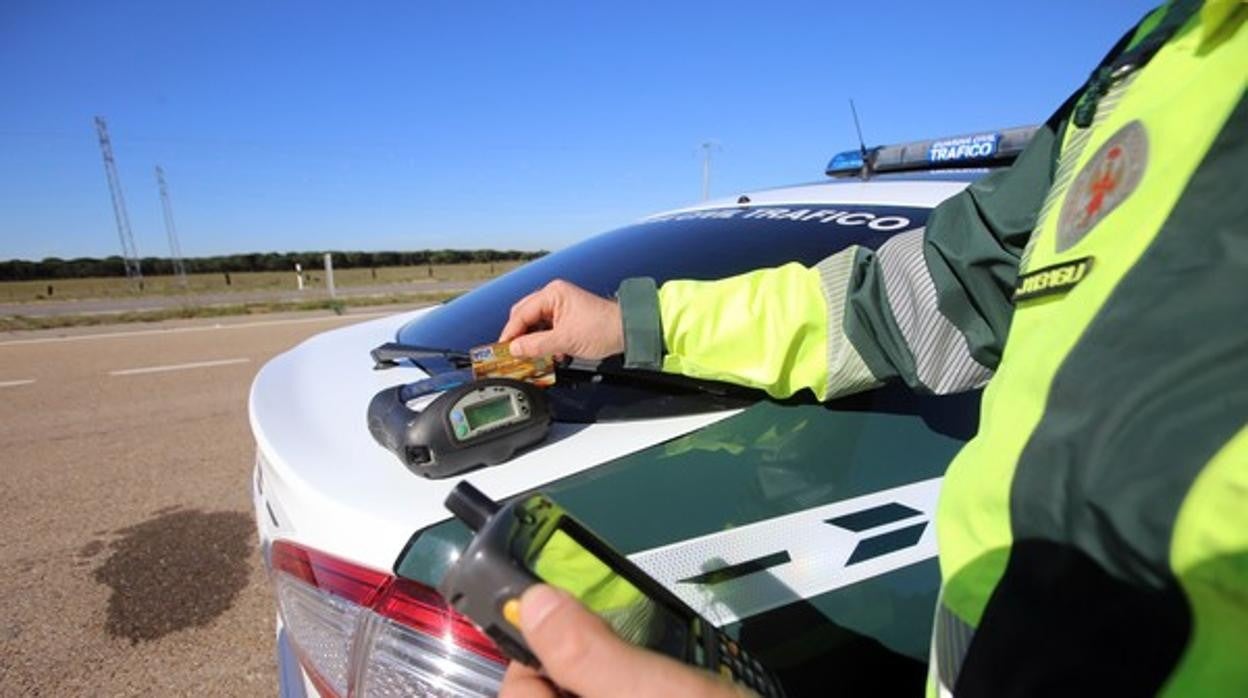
(637, 618)
(489, 411)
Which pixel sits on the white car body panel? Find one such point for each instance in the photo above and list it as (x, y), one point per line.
(330, 486)
(900, 192)
(821, 554)
(323, 482)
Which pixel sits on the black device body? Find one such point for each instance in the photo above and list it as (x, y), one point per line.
(482, 422)
(511, 552)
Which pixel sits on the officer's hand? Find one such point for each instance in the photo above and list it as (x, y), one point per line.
(581, 654)
(565, 320)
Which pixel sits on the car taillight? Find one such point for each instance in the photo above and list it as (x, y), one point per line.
(360, 632)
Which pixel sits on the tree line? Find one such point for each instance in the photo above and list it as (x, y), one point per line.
(82, 267)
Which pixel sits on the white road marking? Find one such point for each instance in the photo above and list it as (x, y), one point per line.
(241, 325)
(176, 367)
(10, 384)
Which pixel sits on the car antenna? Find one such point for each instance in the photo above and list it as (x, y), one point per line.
(862, 146)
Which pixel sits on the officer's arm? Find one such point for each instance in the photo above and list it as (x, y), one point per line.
(930, 307)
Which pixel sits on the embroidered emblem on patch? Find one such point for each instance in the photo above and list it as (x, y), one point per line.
(1103, 183)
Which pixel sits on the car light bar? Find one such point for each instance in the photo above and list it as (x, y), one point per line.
(360, 632)
(988, 149)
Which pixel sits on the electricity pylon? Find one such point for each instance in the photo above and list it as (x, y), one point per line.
(175, 250)
(129, 253)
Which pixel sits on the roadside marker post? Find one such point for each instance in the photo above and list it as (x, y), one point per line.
(329, 275)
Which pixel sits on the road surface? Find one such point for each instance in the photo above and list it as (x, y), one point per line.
(128, 563)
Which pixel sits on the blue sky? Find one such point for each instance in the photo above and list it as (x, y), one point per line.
(409, 125)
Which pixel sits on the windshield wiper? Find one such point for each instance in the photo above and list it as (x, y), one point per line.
(612, 368)
(605, 391)
(388, 356)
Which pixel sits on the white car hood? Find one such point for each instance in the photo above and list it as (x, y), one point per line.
(328, 484)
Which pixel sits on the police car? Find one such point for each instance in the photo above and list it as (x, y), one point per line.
(803, 530)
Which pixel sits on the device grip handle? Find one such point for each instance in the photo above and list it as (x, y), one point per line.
(388, 419)
(471, 505)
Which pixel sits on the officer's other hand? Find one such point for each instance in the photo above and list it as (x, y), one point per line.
(565, 320)
(580, 653)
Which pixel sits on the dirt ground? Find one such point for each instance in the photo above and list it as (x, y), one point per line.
(128, 563)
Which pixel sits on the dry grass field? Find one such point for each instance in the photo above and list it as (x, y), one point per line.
(115, 287)
(17, 323)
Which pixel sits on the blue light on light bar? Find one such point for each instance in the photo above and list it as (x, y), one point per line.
(844, 163)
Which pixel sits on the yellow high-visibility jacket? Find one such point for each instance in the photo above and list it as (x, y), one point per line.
(1094, 535)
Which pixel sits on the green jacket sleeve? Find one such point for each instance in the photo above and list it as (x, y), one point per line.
(931, 307)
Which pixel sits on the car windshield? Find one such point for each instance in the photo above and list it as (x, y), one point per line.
(704, 244)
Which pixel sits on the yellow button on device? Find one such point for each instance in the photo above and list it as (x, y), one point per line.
(511, 611)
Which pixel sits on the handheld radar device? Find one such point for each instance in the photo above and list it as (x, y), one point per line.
(532, 539)
(439, 428)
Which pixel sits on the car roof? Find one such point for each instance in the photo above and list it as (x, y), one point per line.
(909, 189)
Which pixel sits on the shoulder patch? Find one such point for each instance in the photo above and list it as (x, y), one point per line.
(1105, 181)
(1058, 278)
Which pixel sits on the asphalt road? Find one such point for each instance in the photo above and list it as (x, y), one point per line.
(92, 306)
(128, 562)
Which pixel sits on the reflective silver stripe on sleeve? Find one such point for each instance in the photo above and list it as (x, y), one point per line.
(942, 358)
(847, 373)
